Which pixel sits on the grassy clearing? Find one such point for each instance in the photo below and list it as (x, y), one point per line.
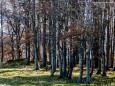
(25, 76)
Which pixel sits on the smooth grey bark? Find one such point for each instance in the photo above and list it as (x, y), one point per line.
(70, 63)
(64, 57)
(88, 42)
(53, 46)
(70, 68)
(81, 55)
(34, 35)
(111, 45)
(49, 39)
(107, 47)
(104, 25)
(64, 44)
(113, 54)
(28, 54)
(92, 56)
(44, 58)
(88, 65)
(59, 50)
(38, 37)
(2, 46)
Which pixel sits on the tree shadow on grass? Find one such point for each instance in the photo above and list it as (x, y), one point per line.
(14, 64)
(100, 80)
(45, 80)
(5, 71)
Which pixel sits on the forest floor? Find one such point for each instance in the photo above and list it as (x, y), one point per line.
(16, 73)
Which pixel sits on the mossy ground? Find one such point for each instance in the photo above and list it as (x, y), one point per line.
(16, 73)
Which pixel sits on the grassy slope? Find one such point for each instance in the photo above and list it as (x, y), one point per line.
(25, 76)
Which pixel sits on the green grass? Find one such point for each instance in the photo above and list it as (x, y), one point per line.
(14, 63)
(25, 76)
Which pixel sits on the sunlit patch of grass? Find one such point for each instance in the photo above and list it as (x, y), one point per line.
(25, 76)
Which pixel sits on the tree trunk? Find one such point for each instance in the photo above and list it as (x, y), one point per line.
(70, 64)
(107, 47)
(2, 46)
(103, 51)
(88, 65)
(70, 68)
(28, 54)
(34, 35)
(81, 55)
(17, 45)
(60, 54)
(53, 47)
(44, 58)
(88, 42)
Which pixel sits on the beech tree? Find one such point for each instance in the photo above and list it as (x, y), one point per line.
(61, 33)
